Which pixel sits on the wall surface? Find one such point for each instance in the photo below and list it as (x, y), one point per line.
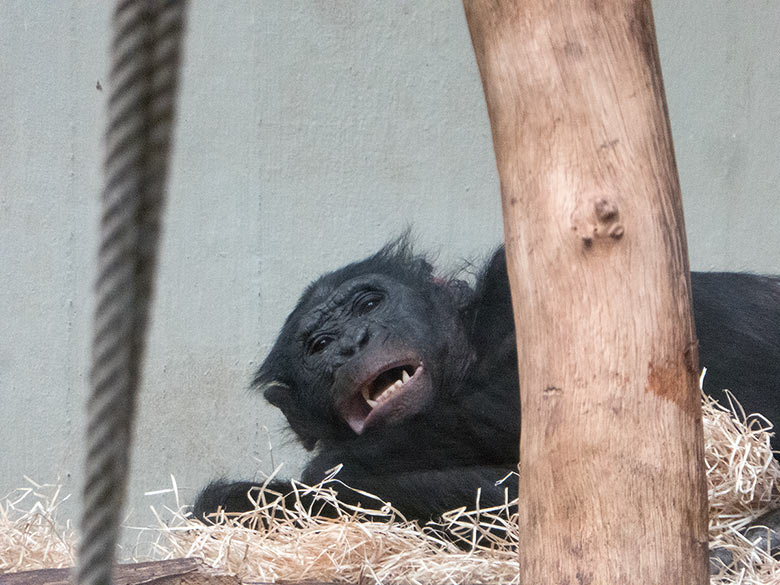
(309, 134)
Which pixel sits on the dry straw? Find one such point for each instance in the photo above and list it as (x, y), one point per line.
(30, 537)
(362, 546)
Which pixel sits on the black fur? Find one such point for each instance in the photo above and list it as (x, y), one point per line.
(459, 430)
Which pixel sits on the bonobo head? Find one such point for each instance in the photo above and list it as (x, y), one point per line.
(369, 345)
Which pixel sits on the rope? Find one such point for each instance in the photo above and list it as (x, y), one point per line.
(144, 73)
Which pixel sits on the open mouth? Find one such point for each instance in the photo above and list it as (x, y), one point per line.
(388, 394)
(387, 384)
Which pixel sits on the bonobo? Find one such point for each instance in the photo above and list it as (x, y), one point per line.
(410, 380)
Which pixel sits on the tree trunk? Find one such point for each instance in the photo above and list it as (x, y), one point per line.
(612, 483)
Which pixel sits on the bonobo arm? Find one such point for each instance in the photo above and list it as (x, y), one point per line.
(763, 532)
(423, 495)
(426, 495)
(423, 468)
(231, 497)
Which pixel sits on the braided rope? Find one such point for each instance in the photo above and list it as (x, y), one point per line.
(143, 80)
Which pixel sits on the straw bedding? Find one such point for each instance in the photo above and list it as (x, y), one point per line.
(362, 547)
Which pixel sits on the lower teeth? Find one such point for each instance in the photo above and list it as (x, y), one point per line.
(385, 394)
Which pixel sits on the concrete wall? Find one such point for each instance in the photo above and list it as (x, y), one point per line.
(310, 133)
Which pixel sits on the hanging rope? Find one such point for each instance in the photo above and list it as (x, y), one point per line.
(143, 79)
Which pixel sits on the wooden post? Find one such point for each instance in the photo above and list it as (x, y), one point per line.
(612, 484)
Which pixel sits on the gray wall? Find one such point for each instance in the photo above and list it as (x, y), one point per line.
(309, 134)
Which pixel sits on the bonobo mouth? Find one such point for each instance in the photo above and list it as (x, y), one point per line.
(389, 394)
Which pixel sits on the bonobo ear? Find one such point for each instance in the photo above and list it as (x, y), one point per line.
(268, 380)
(459, 291)
(275, 392)
(271, 379)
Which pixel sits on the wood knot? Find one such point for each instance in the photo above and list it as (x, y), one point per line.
(603, 221)
(616, 231)
(606, 210)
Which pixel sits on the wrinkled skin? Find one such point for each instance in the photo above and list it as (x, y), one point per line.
(450, 424)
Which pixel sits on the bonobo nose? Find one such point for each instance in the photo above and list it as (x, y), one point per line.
(353, 340)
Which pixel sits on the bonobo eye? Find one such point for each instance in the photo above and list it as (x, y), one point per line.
(366, 302)
(319, 343)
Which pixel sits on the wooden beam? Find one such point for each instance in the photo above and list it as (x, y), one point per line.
(612, 483)
(172, 572)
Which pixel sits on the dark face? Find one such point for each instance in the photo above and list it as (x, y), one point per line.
(364, 352)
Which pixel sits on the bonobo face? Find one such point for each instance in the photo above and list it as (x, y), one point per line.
(362, 351)
(370, 343)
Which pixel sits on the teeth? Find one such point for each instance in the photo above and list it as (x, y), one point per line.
(387, 392)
